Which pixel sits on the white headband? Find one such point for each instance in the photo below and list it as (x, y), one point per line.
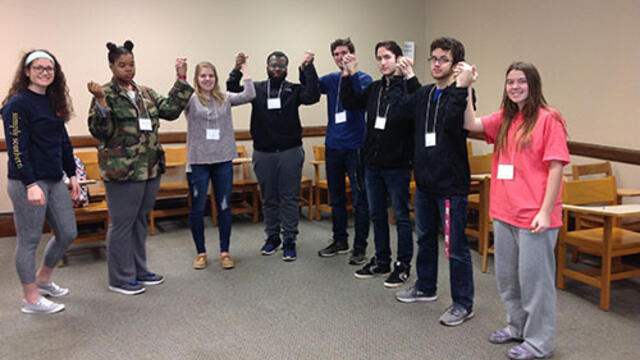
(38, 55)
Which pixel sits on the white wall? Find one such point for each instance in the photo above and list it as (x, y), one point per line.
(77, 31)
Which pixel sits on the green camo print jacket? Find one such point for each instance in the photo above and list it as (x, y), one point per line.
(126, 153)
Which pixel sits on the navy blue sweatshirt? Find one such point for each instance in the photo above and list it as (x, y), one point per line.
(38, 145)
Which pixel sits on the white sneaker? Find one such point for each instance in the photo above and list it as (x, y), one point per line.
(41, 306)
(52, 289)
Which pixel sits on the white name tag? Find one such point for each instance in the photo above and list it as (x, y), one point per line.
(430, 139)
(145, 124)
(213, 134)
(273, 104)
(505, 172)
(341, 117)
(381, 121)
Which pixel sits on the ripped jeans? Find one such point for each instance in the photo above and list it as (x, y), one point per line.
(221, 175)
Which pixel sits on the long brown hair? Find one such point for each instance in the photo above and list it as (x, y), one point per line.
(215, 92)
(57, 92)
(534, 102)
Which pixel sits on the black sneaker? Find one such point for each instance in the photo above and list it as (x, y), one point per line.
(372, 269)
(333, 249)
(399, 276)
(289, 250)
(357, 257)
(271, 245)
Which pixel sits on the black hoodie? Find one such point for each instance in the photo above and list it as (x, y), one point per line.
(392, 147)
(442, 169)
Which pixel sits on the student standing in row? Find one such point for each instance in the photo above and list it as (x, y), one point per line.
(530, 151)
(388, 148)
(278, 155)
(344, 156)
(124, 117)
(34, 113)
(442, 177)
(211, 145)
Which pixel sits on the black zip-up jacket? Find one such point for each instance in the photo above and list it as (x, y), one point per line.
(442, 169)
(278, 130)
(392, 147)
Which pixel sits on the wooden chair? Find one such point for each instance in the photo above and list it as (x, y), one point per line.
(94, 217)
(607, 242)
(96, 191)
(601, 169)
(306, 195)
(178, 191)
(322, 201)
(480, 168)
(244, 193)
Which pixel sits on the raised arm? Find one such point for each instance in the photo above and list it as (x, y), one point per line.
(169, 108)
(310, 93)
(466, 75)
(249, 91)
(100, 123)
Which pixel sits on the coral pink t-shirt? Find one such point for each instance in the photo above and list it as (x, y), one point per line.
(518, 201)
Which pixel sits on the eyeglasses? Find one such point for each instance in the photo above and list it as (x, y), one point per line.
(441, 61)
(40, 68)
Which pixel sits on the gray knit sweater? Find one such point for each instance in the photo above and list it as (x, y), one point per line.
(214, 119)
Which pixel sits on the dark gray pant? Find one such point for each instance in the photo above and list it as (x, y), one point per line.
(130, 203)
(29, 220)
(279, 175)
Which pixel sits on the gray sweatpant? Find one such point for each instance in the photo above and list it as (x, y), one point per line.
(29, 220)
(279, 175)
(525, 270)
(130, 203)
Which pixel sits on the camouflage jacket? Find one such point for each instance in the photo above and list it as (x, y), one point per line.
(126, 153)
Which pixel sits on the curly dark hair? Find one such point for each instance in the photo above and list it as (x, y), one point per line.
(57, 92)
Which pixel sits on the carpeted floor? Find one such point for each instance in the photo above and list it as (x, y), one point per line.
(313, 308)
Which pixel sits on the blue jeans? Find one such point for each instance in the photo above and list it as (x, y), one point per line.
(430, 211)
(221, 175)
(395, 184)
(350, 162)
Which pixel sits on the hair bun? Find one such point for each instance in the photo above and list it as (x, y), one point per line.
(111, 46)
(128, 45)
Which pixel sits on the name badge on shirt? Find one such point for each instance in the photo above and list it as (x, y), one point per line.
(430, 139)
(213, 134)
(381, 121)
(145, 124)
(505, 172)
(341, 117)
(273, 104)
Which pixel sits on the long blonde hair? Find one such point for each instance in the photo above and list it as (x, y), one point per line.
(215, 92)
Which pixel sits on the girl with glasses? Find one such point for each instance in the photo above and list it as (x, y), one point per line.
(34, 113)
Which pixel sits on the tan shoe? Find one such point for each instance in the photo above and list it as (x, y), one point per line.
(226, 262)
(200, 262)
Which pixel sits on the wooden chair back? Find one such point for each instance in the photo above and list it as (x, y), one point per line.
(176, 154)
(242, 152)
(481, 164)
(90, 161)
(590, 191)
(603, 168)
(318, 152)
